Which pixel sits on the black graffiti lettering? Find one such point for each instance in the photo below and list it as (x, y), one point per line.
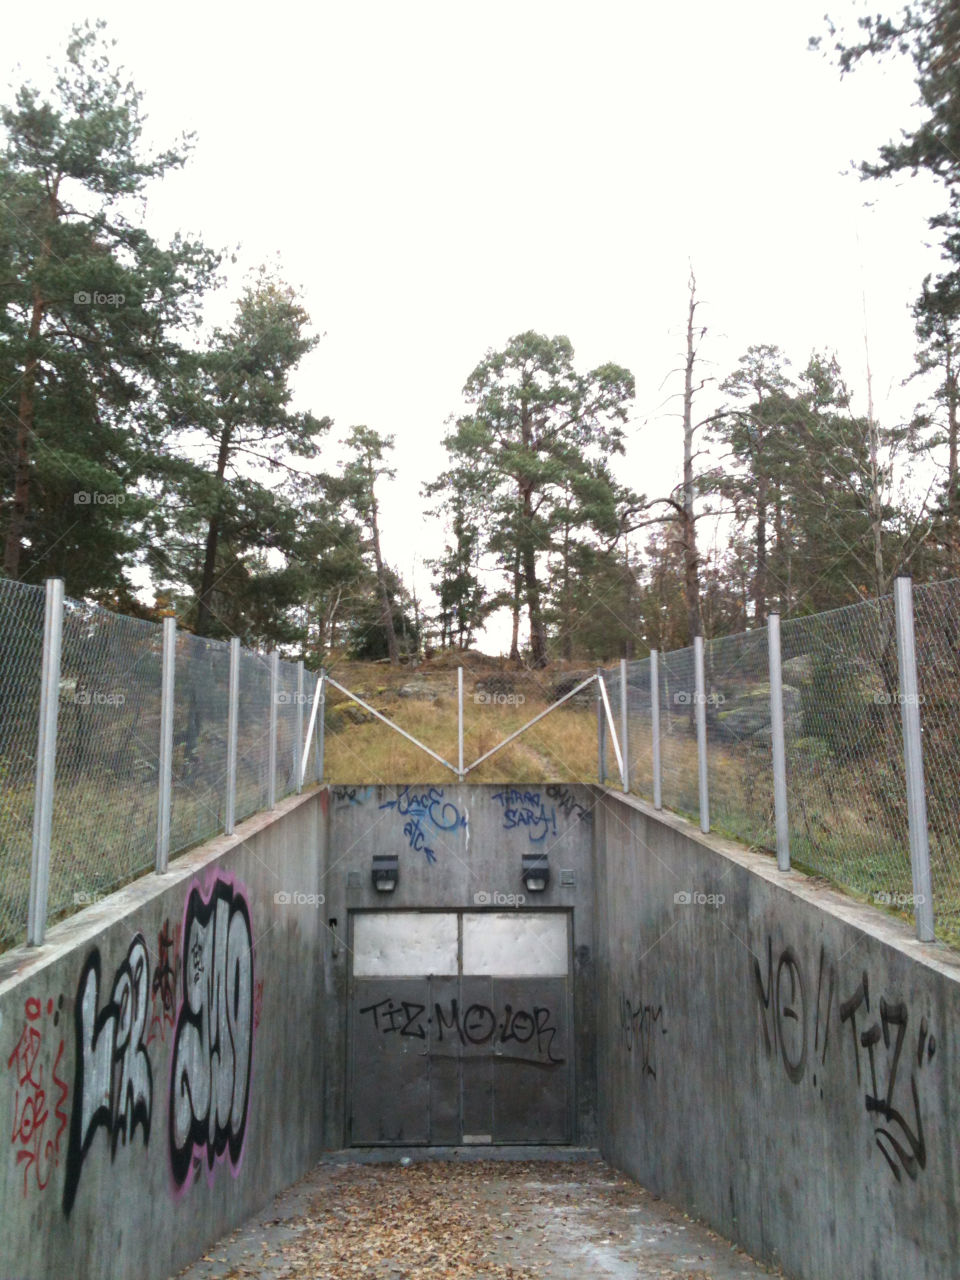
(637, 1031)
(848, 1012)
(544, 1028)
(567, 802)
(520, 1027)
(794, 1057)
(413, 1026)
(213, 1043)
(916, 1158)
(901, 1143)
(113, 1081)
(479, 1023)
(389, 1016)
(763, 995)
(375, 1010)
(452, 1024)
(476, 1025)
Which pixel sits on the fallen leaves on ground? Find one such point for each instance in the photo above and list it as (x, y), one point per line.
(431, 1221)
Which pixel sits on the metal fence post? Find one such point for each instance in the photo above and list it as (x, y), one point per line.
(233, 728)
(165, 762)
(272, 747)
(781, 812)
(460, 723)
(624, 725)
(701, 712)
(298, 743)
(913, 759)
(601, 734)
(655, 727)
(46, 763)
(321, 727)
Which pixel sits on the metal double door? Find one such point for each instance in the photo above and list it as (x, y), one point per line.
(460, 1059)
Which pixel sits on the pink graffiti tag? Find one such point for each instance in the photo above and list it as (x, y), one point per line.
(31, 1111)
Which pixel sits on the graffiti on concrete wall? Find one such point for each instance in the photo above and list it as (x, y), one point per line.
(350, 795)
(113, 1082)
(527, 811)
(39, 1092)
(424, 812)
(213, 1041)
(163, 987)
(641, 1026)
(519, 1035)
(806, 1014)
(567, 803)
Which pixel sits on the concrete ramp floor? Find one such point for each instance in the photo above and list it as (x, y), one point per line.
(551, 1215)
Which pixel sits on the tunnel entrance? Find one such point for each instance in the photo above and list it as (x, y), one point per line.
(460, 1028)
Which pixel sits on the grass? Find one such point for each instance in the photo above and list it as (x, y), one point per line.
(560, 748)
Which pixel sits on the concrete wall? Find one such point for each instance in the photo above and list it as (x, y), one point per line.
(161, 1063)
(775, 1058)
(459, 846)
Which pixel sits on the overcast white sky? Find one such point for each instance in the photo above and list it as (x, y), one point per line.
(439, 176)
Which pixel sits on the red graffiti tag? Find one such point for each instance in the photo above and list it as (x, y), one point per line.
(36, 1146)
(164, 985)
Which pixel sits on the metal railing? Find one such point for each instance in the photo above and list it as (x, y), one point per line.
(832, 740)
(124, 742)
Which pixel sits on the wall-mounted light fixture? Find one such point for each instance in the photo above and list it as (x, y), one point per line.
(386, 872)
(536, 872)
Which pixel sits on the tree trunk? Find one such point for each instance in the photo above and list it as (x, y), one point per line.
(566, 634)
(630, 649)
(25, 420)
(392, 649)
(953, 477)
(208, 577)
(691, 563)
(515, 633)
(538, 636)
(876, 502)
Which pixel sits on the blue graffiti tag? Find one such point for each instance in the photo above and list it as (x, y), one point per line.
(526, 809)
(420, 807)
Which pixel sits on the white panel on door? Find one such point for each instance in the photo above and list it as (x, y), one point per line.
(408, 944)
(514, 944)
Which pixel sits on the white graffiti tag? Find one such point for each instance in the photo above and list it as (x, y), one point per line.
(113, 1082)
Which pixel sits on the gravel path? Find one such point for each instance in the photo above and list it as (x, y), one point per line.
(482, 1220)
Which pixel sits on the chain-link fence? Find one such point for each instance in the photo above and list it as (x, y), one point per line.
(201, 706)
(21, 646)
(843, 713)
(107, 773)
(739, 778)
(844, 743)
(937, 613)
(843, 718)
(108, 738)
